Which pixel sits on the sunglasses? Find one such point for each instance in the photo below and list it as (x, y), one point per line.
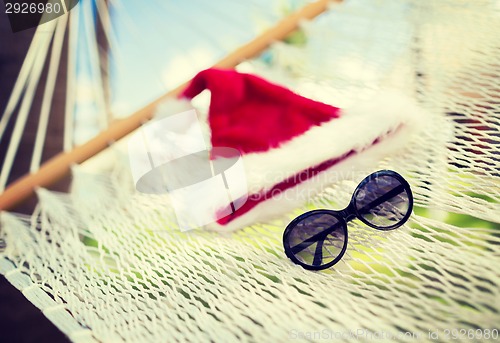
(318, 239)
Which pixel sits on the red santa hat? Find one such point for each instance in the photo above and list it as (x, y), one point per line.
(293, 147)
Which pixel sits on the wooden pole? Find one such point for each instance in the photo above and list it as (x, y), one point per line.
(59, 166)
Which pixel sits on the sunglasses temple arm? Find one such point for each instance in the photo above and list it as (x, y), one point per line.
(318, 254)
(389, 195)
(311, 240)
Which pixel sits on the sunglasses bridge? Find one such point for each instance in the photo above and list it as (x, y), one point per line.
(348, 213)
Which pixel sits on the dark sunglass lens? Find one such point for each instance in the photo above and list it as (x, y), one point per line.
(384, 201)
(317, 240)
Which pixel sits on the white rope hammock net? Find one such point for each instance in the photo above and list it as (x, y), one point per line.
(106, 264)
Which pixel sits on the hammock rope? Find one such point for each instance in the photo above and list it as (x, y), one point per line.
(105, 263)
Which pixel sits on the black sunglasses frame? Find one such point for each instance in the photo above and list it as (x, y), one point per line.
(346, 215)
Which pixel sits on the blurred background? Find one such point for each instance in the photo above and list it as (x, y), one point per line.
(111, 59)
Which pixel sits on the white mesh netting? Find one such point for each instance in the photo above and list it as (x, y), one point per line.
(106, 264)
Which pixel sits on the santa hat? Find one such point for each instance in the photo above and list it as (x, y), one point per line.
(293, 147)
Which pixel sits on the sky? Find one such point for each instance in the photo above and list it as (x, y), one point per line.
(157, 45)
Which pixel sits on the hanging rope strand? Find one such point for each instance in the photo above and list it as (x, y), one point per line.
(21, 81)
(48, 94)
(70, 86)
(97, 80)
(33, 80)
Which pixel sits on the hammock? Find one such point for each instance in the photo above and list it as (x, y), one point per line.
(106, 264)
